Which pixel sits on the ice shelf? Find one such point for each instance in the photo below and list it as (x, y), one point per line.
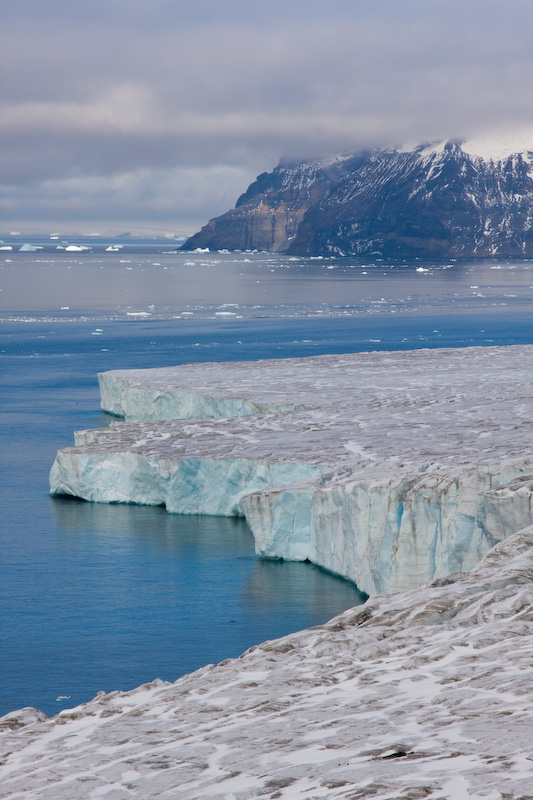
(390, 469)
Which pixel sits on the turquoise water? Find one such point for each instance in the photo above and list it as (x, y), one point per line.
(103, 597)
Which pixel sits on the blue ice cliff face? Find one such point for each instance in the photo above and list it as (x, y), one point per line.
(392, 535)
(388, 469)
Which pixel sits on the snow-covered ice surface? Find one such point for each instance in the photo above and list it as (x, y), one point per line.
(390, 469)
(423, 694)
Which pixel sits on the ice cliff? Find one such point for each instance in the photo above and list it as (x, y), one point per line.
(390, 469)
(426, 694)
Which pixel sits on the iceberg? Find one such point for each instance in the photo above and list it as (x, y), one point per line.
(422, 694)
(390, 469)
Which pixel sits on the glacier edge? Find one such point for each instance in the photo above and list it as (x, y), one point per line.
(368, 465)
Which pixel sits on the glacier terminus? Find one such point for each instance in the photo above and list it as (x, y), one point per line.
(407, 472)
(391, 469)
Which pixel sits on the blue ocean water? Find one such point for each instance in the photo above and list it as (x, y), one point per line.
(102, 597)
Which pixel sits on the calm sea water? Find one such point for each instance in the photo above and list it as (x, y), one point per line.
(102, 597)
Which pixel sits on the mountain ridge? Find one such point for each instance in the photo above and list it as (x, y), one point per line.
(432, 201)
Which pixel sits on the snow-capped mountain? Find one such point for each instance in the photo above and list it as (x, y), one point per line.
(452, 199)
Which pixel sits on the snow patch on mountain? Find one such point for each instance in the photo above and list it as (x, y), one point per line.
(499, 147)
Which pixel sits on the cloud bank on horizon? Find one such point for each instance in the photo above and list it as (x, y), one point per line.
(157, 115)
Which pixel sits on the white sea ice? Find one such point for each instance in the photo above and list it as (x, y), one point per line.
(390, 469)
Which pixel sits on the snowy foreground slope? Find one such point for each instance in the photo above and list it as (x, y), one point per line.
(390, 469)
(424, 694)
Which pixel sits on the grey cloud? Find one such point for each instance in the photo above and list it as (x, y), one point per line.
(111, 88)
(157, 199)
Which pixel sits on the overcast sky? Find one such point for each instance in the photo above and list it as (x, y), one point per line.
(156, 114)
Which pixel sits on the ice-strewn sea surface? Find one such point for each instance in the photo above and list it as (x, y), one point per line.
(126, 285)
(110, 597)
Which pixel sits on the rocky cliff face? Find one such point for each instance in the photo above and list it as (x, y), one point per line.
(436, 201)
(267, 216)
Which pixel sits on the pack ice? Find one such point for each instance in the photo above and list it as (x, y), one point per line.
(391, 469)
